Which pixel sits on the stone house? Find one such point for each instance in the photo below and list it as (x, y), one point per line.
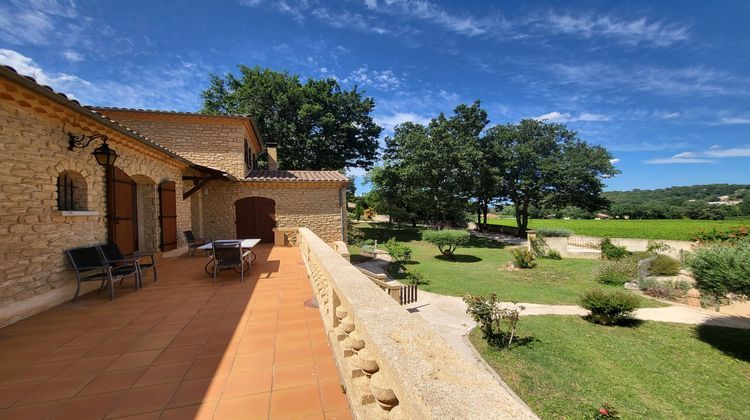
(174, 172)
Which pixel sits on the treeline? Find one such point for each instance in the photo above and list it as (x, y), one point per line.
(454, 166)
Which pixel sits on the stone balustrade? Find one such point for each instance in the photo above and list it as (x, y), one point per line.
(392, 364)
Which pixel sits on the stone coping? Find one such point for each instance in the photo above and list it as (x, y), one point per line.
(74, 213)
(428, 377)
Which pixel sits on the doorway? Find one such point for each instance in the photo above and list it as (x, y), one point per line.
(255, 218)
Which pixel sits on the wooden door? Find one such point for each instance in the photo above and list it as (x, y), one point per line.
(122, 218)
(168, 215)
(255, 218)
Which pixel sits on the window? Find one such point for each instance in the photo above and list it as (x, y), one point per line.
(71, 191)
(248, 157)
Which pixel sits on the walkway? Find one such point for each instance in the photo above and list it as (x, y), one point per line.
(447, 315)
(179, 348)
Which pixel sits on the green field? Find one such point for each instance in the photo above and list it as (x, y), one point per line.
(480, 269)
(651, 371)
(682, 230)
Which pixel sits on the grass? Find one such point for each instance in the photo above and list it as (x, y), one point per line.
(652, 371)
(480, 270)
(682, 230)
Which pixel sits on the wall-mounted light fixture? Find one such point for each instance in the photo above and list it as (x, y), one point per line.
(103, 154)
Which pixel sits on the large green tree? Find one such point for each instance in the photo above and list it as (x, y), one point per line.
(547, 165)
(316, 124)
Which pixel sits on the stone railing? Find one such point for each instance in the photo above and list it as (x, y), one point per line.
(392, 364)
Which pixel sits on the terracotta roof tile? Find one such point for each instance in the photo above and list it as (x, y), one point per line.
(158, 111)
(296, 176)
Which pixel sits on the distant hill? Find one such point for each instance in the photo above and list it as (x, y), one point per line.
(677, 196)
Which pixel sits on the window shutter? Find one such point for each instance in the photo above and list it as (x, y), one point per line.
(168, 215)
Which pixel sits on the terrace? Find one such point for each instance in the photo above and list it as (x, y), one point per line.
(185, 348)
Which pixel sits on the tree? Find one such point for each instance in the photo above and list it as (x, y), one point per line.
(316, 124)
(547, 165)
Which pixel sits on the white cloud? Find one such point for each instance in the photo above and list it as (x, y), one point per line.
(708, 156)
(671, 116)
(344, 19)
(735, 120)
(556, 116)
(42, 22)
(432, 13)
(384, 80)
(73, 56)
(390, 121)
(631, 32)
(26, 66)
(615, 160)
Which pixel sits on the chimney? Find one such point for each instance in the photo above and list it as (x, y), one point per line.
(273, 163)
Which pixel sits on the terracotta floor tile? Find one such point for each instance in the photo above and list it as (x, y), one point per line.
(9, 394)
(338, 415)
(88, 407)
(294, 356)
(134, 360)
(248, 362)
(178, 354)
(152, 342)
(35, 373)
(248, 407)
(197, 391)
(293, 376)
(296, 402)
(87, 365)
(254, 382)
(28, 412)
(143, 400)
(163, 374)
(202, 368)
(203, 411)
(112, 381)
(332, 395)
(56, 389)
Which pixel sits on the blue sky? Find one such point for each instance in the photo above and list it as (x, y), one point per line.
(665, 86)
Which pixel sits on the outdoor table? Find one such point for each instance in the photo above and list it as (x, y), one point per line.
(244, 244)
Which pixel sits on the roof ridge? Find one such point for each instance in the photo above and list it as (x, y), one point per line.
(162, 111)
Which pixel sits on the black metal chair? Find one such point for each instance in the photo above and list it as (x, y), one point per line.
(112, 254)
(90, 265)
(229, 254)
(193, 242)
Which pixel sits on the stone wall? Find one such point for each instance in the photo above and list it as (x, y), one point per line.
(34, 271)
(210, 141)
(317, 208)
(392, 364)
(577, 246)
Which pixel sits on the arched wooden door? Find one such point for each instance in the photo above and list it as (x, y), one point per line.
(121, 210)
(255, 218)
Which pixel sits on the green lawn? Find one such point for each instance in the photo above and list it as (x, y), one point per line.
(480, 270)
(683, 230)
(652, 371)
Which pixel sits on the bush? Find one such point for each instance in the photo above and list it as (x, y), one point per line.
(656, 246)
(498, 324)
(670, 290)
(539, 247)
(354, 236)
(611, 251)
(731, 234)
(721, 268)
(663, 265)
(617, 272)
(553, 232)
(447, 240)
(398, 251)
(369, 214)
(609, 308)
(416, 277)
(523, 258)
(553, 254)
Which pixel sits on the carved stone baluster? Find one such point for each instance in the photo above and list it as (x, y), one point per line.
(383, 394)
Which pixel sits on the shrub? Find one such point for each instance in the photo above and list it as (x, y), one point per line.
(617, 272)
(671, 290)
(611, 251)
(609, 307)
(731, 234)
(447, 240)
(553, 232)
(416, 277)
(539, 247)
(523, 258)
(369, 214)
(663, 265)
(398, 251)
(553, 254)
(721, 268)
(498, 324)
(354, 236)
(656, 246)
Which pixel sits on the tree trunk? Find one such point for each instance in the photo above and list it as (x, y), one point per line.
(485, 209)
(520, 228)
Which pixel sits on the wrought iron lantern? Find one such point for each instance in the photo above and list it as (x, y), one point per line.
(103, 154)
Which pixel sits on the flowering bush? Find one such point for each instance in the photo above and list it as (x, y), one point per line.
(523, 258)
(608, 308)
(497, 324)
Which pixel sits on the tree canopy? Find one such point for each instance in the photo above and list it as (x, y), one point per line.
(316, 124)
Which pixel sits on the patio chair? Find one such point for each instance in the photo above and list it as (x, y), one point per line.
(112, 254)
(229, 254)
(193, 242)
(90, 265)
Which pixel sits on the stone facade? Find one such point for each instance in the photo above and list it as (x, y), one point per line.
(314, 206)
(34, 234)
(213, 141)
